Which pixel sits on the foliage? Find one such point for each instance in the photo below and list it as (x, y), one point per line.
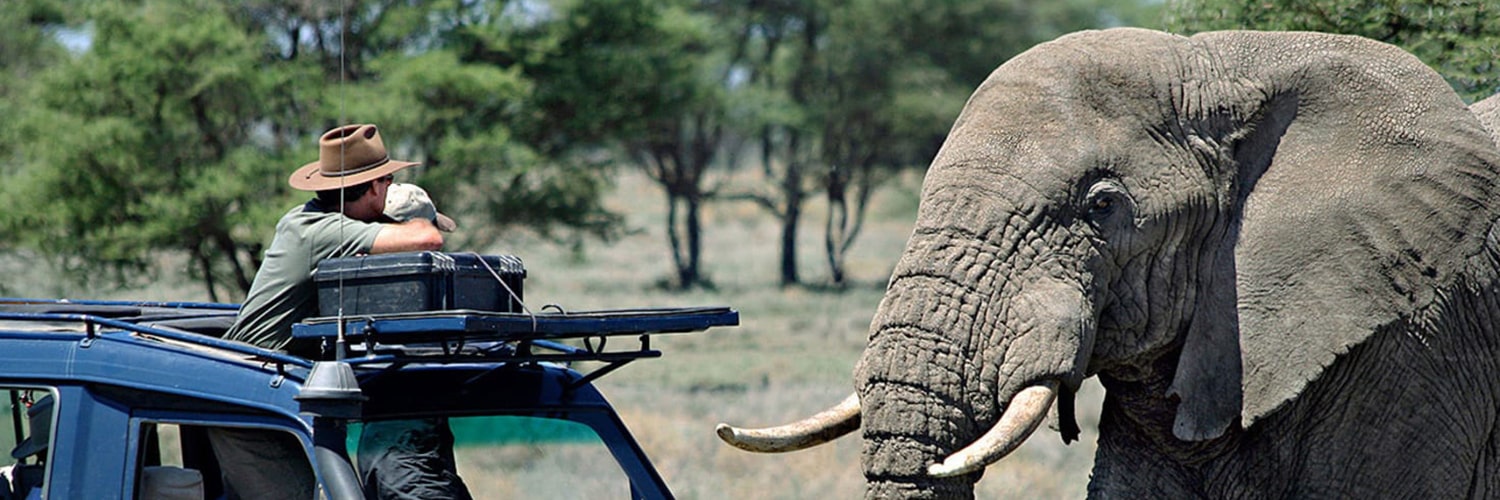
(173, 126)
(843, 92)
(1458, 38)
(184, 118)
(454, 80)
(144, 143)
(27, 48)
(636, 76)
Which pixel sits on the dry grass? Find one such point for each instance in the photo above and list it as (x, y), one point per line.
(792, 355)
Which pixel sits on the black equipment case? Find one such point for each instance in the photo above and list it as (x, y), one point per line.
(419, 281)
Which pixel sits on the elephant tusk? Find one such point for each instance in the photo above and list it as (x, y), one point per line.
(1021, 418)
(823, 427)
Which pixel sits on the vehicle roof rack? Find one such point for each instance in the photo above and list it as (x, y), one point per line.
(97, 319)
(551, 324)
(473, 336)
(383, 341)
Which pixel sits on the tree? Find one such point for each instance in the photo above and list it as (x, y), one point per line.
(26, 48)
(184, 117)
(636, 75)
(182, 120)
(774, 53)
(1458, 38)
(845, 92)
(144, 143)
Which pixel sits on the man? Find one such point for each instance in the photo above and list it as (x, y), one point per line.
(353, 179)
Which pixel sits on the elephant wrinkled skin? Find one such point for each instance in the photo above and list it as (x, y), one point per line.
(1273, 249)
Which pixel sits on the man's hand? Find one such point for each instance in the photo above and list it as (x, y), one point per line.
(417, 222)
(405, 202)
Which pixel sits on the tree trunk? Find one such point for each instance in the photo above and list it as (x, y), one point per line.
(833, 225)
(694, 229)
(231, 252)
(844, 222)
(674, 239)
(684, 234)
(207, 267)
(791, 187)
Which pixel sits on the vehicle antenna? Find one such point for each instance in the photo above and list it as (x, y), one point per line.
(331, 393)
(338, 343)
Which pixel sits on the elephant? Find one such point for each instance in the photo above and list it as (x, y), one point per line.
(1275, 250)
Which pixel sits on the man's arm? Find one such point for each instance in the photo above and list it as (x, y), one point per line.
(410, 236)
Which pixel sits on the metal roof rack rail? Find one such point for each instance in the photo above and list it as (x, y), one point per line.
(458, 336)
(96, 328)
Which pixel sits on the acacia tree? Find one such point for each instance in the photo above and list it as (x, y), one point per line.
(1458, 38)
(636, 76)
(27, 47)
(182, 120)
(775, 53)
(143, 143)
(845, 92)
(25, 50)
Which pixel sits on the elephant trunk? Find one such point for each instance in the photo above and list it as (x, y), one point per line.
(951, 383)
(1024, 414)
(906, 429)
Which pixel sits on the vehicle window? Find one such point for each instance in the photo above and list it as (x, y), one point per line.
(179, 461)
(162, 471)
(28, 415)
(514, 457)
(161, 444)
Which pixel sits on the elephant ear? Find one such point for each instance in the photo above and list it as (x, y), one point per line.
(1209, 378)
(1207, 383)
(1488, 112)
(1364, 184)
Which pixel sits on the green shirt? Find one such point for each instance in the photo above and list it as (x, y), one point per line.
(283, 292)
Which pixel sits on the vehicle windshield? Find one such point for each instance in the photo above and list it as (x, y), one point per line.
(525, 457)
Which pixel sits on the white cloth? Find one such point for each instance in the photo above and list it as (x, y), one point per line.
(8, 480)
(404, 202)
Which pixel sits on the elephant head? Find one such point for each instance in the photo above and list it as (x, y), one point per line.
(1216, 217)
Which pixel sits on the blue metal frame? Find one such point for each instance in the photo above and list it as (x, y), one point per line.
(219, 306)
(517, 326)
(93, 333)
(109, 353)
(256, 387)
(535, 390)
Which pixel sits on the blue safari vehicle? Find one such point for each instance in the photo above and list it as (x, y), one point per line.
(114, 399)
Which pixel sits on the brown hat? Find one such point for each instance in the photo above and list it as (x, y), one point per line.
(347, 156)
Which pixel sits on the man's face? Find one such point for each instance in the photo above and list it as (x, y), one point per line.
(379, 188)
(369, 207)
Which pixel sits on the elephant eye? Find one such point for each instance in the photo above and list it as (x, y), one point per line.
(1102, 205)
(1104, 200)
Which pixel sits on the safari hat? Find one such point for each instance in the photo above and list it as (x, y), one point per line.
(347, 156)
(40, 417)
(404, 202)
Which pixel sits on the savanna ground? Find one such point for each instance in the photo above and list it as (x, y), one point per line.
(792, 355)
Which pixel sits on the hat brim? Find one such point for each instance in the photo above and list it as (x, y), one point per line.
(30, 446)
(311, 178)
(445, 223)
